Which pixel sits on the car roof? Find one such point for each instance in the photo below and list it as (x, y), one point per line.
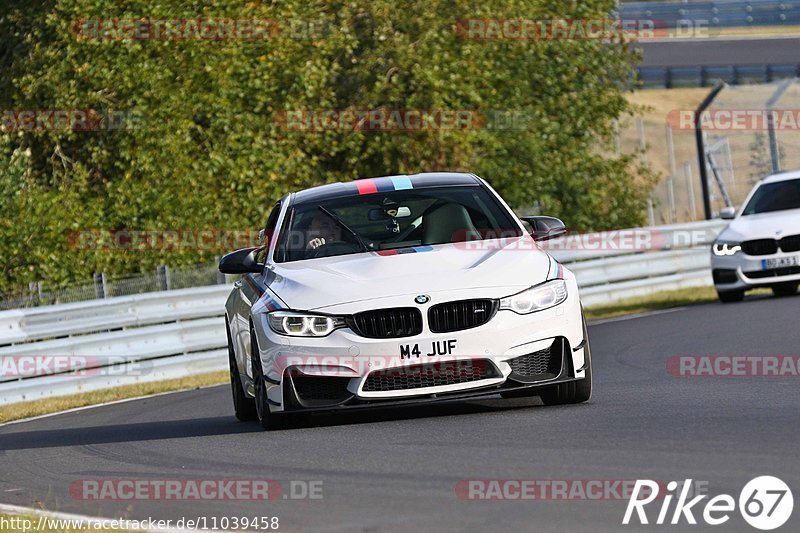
(782, 176)
(384, 184)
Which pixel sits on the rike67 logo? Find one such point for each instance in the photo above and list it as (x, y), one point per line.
(765, 503)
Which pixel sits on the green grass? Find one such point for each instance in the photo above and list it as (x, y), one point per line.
(653, 302)
(657, 301)
(756, 31)
(17, 411)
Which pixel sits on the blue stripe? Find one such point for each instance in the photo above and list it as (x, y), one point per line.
(384, 184)
(423, 248)
(401, 182)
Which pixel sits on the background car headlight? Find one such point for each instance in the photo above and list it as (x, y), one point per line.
(536, 298)
(303, 324)
(725, 248)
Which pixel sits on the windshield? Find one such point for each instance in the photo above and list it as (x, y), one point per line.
(778, 196)
(392, 221)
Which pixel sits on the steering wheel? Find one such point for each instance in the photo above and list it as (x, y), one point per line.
(333, 248)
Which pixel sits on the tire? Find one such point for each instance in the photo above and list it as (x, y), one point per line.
(265, 417)
(727, 297)
(785, 289)
(244, 407)
(573, 391)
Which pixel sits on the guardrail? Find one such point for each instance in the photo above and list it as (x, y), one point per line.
(639, 262)
(114, 341)
(706, 76)
(715, 13)
(170, 334)
(37, 323)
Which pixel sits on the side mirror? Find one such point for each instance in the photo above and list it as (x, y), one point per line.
(240, 262)
(545, 228)
(727, 213)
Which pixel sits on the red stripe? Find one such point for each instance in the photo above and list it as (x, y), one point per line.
(387, 252)
(366, 186)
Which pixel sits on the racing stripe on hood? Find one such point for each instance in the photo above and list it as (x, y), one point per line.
(400, 251)
(556, 271)
(267, 303)
(366, 186)
(401, 182)
(387, 184)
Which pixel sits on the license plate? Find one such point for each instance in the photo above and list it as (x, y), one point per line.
(779, 262)
(428, 349)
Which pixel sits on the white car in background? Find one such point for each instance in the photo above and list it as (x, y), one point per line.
(761, 245)
(398, 290)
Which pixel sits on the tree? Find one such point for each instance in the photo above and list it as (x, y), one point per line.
(210, 148)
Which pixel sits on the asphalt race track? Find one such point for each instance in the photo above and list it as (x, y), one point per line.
(396, 470)
(716, 52)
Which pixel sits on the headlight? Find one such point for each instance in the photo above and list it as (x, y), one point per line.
(536, 298)
(303, 324)
(726, 248)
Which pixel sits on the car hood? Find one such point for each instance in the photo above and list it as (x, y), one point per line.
(775, 225)
(316, 283)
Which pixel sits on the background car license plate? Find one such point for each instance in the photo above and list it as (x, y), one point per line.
(779, 262)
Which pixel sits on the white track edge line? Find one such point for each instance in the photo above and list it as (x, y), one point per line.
(113, 402)
(599, 321)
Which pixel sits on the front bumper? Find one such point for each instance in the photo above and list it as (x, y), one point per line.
(741, 271)
(338, 371)
(294, 401)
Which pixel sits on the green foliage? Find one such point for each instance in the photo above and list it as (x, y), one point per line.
(208, 151)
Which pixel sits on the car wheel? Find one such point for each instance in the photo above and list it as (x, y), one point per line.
(785, 289)
(574, 391)
(244, 407)
(727, 297)
(266, 418)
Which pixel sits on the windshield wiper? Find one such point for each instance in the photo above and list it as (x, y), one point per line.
(335, 218)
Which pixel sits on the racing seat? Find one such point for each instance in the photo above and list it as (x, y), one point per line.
(447, 223)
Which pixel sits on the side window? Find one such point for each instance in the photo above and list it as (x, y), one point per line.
(266, 236)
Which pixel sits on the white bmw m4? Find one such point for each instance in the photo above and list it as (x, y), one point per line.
(400, 290)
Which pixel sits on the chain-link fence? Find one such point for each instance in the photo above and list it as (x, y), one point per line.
(739, 147)
(164, 278)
